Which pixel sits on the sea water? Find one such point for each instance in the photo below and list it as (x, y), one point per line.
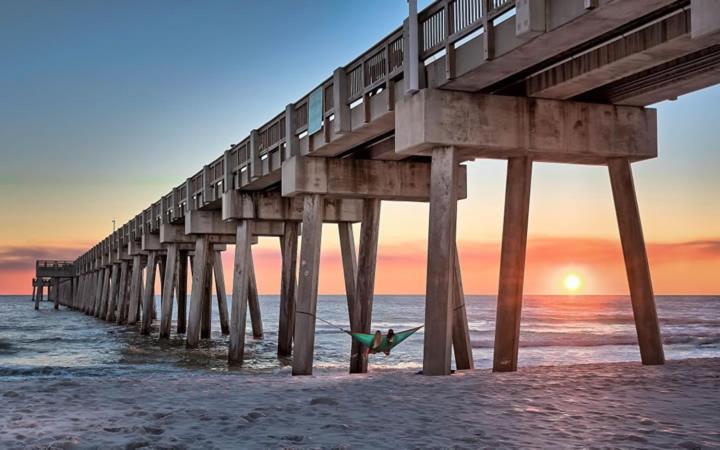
(555, 330)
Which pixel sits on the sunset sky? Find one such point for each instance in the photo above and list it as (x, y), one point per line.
(104, 106)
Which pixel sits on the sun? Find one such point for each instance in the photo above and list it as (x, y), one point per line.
(572, 282)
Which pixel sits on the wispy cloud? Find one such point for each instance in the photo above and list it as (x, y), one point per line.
(677, 267)
(17, 258)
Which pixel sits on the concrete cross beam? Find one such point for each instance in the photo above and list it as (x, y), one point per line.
(361, 178)
(705, 18)
(487, 126)
(269, 206)
(151, 243)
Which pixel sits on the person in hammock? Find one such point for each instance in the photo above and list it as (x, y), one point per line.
(377, 341)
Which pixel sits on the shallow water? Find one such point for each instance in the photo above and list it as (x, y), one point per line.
(555, 330)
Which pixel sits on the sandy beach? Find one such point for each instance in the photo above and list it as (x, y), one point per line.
(621, 405)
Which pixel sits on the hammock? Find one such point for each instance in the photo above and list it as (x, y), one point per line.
(369, 339)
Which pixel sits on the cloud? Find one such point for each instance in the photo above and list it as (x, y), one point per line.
(677, 267)
(18, 258)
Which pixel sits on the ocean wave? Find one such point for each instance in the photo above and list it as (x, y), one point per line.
(589, 340)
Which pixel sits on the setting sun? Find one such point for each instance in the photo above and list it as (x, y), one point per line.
(572, 282)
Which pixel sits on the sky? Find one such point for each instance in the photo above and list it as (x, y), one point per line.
(105, 106)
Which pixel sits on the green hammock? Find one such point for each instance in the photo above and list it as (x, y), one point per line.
(369, 339)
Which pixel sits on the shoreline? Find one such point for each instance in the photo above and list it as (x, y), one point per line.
(614, 404)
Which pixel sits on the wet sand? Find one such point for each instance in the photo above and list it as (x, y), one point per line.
(622, 405)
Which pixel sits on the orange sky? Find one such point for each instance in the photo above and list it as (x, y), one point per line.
(677, 268)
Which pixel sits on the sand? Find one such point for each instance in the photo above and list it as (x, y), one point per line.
(621, 405)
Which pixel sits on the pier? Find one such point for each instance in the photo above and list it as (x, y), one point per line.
(526, 81)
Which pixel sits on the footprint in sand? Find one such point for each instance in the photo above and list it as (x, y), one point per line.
(324, 401)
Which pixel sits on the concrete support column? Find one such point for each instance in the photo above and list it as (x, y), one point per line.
(512, 264)
(115, 289)
(56, 298)
(102, 301)
(199, 280)
(254, 302)
(149, 293)
(135, 290)
(462, 347)
(182, 268)
(36, 295)
(636, 262)
(95, 292)
(123, 294)
(304, 333)
(288, 244)
(167, 294)
(365, 283)
(441, 258)
(241, 281)
(221, 293)
(206, 316)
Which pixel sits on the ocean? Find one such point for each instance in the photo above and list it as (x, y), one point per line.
(555, 330)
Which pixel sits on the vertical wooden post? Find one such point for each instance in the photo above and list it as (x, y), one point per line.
(636, 262)
(441, 258)
(182, 269)
(304, 333)
(512, 264)
(135, 288)
(365, 283)
(241, 282)
(221, 294)
(253, 302)
(288, 243)
(114, 289)
(460, 332)
(123, 294)
(149, 293)
(166, 304)
(199, 275)
(206, 318)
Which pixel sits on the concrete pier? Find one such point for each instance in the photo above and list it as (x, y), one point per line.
(461, 80)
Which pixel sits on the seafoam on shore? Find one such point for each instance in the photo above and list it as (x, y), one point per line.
(621, 405)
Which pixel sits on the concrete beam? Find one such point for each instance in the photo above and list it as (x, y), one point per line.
(638, 50)
(705, 17)
(134, 248)
(151, 242)
(492, 126)
(238, 205)
(208, 222)
(361, 178)
(175, 234)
